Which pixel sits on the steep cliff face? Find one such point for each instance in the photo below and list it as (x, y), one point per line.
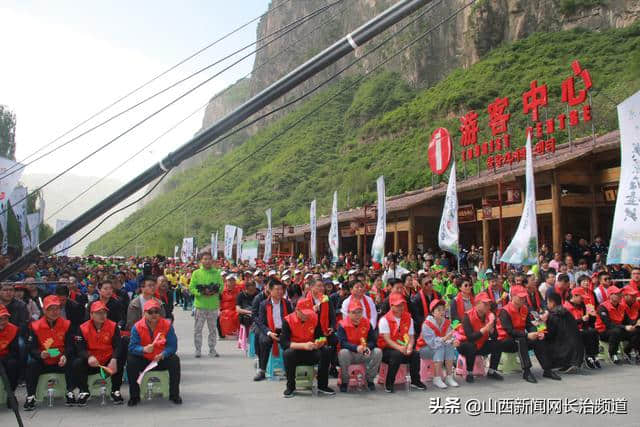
(460, 42)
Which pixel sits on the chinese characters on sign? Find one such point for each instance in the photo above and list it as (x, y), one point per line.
(498, 149)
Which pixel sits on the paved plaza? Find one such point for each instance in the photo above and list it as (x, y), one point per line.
(220, 392)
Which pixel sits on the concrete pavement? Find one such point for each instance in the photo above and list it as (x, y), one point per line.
(220, 391)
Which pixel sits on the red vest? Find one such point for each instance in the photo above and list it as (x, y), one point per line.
(616, 315)
(54, 335)
(632, 311)
(99, 343)
(538, 304)
(603, 293)
(324, 313)
(425, 304)
(396, 333)
(228, 299)
(7, 335)
(302, 331)
(502, 301)
(460, 305)
(518, 319)
(576, 312)
(476, 325)
(440, 332)
(563, 294)
(159, 336)
(355, 334)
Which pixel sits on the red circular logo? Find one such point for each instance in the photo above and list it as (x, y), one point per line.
(439, 151)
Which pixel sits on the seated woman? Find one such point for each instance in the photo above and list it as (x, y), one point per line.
(437, 343)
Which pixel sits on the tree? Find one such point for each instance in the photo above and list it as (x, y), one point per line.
(7, 133)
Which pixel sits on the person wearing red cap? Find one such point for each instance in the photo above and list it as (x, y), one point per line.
(153, 339)
(585, 318)
(478, 338)
(516, 333)
(437, 343)
(98, 344)
(613, 323)
(303, 343)
(50, 344)
(9, 349)
(632, 310)
(358, 290)
(396, 339)
(357, 346)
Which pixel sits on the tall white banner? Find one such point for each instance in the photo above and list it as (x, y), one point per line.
(63, 247)
(624, 247)
(334, 237)
(377, 247)
(176, 248)
(214, 245)
(268, 240)
(18, 200)
(229, 234)
(313, 249)
(523, 249)
(250, 252)
(7, 185)
(449, 233)
(187, 249)
(33, 220)
(238, 244)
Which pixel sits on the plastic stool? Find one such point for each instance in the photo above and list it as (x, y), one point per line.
(357, 375)
(401, 376)
(252, 346)
(304, 377)
(604, 352)
(426, 370)
(509, 363)
(479, 367)
(242, 339)
(99, 386)
(51, 386)
(275, 366)
(155, 383)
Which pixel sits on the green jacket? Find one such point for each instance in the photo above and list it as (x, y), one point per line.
(206, 277)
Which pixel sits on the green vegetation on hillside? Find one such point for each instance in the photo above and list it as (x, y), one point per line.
(380, 126)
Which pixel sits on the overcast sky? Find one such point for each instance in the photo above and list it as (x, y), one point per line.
(64, 60)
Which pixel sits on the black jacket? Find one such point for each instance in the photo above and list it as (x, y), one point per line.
(19, 315)
(75, 313)
(262, 324)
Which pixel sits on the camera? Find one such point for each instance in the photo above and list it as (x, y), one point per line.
(210, 289)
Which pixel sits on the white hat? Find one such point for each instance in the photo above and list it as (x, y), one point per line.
(232, 277)
(306, 276)
(285, 277)
(257, 272)
(335, 282)
(224, 273)
(326, 276)
(352, 271)
(530, 273)
(272, 273)
(420, 272)
(296, 271)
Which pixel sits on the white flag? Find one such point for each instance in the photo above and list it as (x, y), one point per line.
(176, 248)
(63, 247)
(313, 247)
(34, 228)
(334, 238)
(523, 249)
(229, 234)
(377, 247)
(7, 185)
(214, 245)
(18, 200)
(187, 248)
(238, 244)
(268, 239)
(449, 233)
(625, 244)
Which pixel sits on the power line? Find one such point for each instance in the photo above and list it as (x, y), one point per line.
(150, 116)
(153, 79)
(174, 126)
(182, 203)
(287, 29)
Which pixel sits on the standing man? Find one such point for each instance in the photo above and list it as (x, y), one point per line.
(206, 286)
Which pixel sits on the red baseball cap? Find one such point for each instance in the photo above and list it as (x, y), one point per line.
(611, 290)
(4, 311)
(628, 290)
(97, 306)
(483, 297)
(304, 304)
(396, 299)
(435, 303)
(578, 292)
(354, 305)
(151, 304)
(519, 291)
(50, 300)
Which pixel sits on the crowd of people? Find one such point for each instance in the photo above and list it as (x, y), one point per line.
(80, 316)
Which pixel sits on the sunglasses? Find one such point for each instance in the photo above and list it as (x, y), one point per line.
(153, 312)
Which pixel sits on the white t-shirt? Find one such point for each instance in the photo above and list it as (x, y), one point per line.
(277, 319)
(383, 326)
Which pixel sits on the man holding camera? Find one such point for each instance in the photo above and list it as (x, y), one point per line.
(206, 286)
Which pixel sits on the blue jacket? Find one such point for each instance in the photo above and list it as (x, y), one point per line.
(170, 348)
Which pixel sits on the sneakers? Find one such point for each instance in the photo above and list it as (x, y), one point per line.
(469, 378)
(616, 359)
(117, 397)
(326, 390)
(133, 401)
(418, 385)
(527, 375)
(288, 393)
(388, 388)
(371, 386)
(259, 376)
(30, 403)
(597, 363)
(590, 363)
(451, 382)
(83, 398)
(437, 381)
(494, 375)
(176, 399)
(71, 399)
(198, 355)
(213, 353)
(343, 388)
(571, 369)
(551, 375)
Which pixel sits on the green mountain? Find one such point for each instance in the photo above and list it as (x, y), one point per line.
(379, 126)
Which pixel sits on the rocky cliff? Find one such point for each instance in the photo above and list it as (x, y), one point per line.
(460, 42)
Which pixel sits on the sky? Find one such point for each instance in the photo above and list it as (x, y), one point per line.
(65, 60)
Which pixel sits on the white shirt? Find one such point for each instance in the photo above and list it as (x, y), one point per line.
(372, 308)
(277, 319)
(394, 273)
(383, 326)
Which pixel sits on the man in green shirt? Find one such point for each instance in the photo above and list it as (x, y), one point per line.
(206, 302)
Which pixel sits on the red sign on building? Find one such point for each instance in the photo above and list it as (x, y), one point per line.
(440, 151)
